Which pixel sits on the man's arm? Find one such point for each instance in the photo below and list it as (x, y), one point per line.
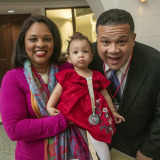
(151, 144)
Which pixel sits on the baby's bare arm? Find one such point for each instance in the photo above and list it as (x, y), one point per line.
(117, 116)
(53, 100)
(106, 95)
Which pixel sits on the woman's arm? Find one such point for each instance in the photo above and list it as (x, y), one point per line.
(17, 115)
(53, 100)
(118, 117)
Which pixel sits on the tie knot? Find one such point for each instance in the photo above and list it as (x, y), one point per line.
(113, 72)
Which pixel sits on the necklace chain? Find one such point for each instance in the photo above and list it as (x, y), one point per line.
(41, 74)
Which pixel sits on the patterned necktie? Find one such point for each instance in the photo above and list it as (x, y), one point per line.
(114, 86)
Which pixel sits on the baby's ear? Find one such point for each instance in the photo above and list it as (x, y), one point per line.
(92, 56)
(68, 59)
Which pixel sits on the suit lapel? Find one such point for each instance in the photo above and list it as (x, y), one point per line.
(135, 79)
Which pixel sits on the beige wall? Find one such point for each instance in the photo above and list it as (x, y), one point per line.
(146, 16)
(65, 28)
(85, 26)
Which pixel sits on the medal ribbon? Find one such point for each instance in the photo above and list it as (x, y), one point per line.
(113, 96)
(91, 93)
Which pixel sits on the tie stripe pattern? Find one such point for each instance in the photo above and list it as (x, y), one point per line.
(114, 85)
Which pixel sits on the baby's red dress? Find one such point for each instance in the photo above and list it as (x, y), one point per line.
(75, 103)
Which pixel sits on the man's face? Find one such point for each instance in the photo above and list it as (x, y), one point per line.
(115, 44)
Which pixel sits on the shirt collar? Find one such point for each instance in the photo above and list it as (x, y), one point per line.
(123, 69)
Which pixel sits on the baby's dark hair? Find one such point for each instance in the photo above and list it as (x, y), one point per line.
(78, 36)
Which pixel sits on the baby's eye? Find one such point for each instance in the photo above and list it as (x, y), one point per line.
(75, 52)
(85, 51)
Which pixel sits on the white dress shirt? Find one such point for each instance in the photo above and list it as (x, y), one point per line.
(120, 74)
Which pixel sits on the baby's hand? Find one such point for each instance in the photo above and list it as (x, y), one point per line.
(53, 111)
(71, 123)
(118, 118)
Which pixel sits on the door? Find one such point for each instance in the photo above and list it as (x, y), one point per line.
(9, 29)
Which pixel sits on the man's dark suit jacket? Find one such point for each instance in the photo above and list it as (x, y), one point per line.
(140, 104)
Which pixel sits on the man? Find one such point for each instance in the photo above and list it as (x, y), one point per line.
(138, 71)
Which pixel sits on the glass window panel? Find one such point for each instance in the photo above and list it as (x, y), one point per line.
(83, 21)
(63, 19)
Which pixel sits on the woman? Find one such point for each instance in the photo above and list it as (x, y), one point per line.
(25, 91)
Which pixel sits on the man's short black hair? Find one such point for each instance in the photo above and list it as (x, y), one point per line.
(115, 17)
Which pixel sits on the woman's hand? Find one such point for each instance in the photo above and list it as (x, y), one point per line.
(53, 111)
(118, 118)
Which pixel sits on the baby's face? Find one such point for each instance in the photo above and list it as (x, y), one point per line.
(80, 54)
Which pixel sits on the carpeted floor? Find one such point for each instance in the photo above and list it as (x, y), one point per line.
(7, 147)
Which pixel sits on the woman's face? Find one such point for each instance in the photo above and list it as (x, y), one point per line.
(39, 44)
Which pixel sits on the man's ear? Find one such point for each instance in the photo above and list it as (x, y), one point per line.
(133, 38)
(69, 59)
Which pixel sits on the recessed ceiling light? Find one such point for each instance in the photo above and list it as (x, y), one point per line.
(11, 11)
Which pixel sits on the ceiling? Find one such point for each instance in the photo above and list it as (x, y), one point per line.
(12, 1)
(36, 6)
